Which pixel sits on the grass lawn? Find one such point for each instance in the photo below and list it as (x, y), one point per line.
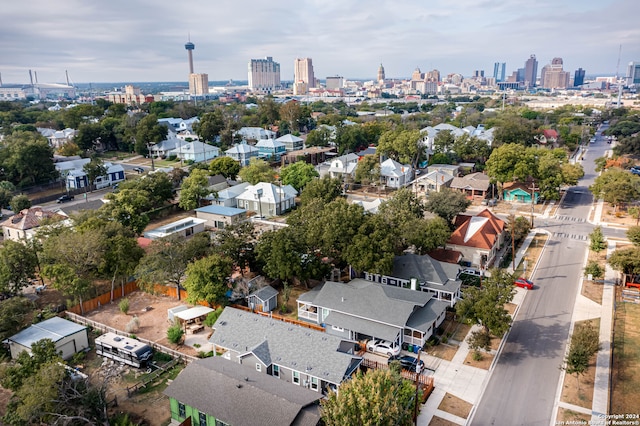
(578, 390)
(625, 378)
(565, 415)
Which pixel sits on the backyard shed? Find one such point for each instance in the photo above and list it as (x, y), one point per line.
(264, 299)
(68, 337)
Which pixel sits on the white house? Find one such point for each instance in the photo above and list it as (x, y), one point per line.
(195, 151)
(267, 199)
(77, 178)
(228, 197)
(178, 124)
(291, 142)
(394, 174)
(57, 138)
(343, 165)
(256, 133)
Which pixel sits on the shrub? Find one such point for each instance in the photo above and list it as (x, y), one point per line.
(212, 317)
(477, 356)
(202, 354)
(479, 340)
(175, 333)
(124, 306)
(196, 345)
(594, 269)
(133, 325)
(172, 157)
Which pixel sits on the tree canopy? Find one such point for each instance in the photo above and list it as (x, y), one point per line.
(207, 279)
(298, 174)
(194, 188)
(447, 204)
(225, 166)
(257, 171)
(616, 186)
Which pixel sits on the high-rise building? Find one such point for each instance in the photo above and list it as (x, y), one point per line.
(499, 71)
(633, 74)
(578, 77)
(433, 76)
(381, 73)
(530, 71)
(552, 76)
(334, 83)
(303, 73)
(478, 73)
(199, 84)
(264, 75)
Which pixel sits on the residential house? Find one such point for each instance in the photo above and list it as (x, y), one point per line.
(439, 279)
(24, 224)
(520, 192)
(264, 299)
(369, 206)
(217, 183)
(344, 165)
(219, 217)
(448, 169)
(394, 174)
(216, 392)
(228, 197)
(370, 150)
(256, 133)
(270, 149)
(312, 155)
(66, 165)
(360, 310)
(474, 185)
(267, 199)
(163, 149)
(291, 142)
(176, 125)
(478, 238)
(194, 151)
(429, 134)
(242, 153)
(57, 138)
(302, 356)
(549, 137)
(184, 227)
(77, 178)
(69, 338)
(431, 182)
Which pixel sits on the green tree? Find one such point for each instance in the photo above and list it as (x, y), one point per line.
(298, 174)
(194, 188)
(6, 193)
(485, 306)
(207, 279)
(27, 159)
(94, 169)
(268, 111)
(237, 242)
(378, 397)
(594, 269)
(502, 163)
(225, 166)
(447, 204)
(14, 314)
(149, 131)
(597, 241)
(167, 258)
(175, 333)
(633, 234)
(514, 130)
(128, 207)
(210, 125)
(374, 247)
(158, 187)
(443, 142)
(401, 145)
(321, 136)
(291, 113)
(19, 202)
(616, 186)
(426, 234)
(585, 343)
(626, 261)
(88, 136)
(325, 188)
(470, 148)
(18, 263)
(257, 171)
(368, 170)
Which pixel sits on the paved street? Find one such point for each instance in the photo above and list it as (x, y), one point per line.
(522, 387)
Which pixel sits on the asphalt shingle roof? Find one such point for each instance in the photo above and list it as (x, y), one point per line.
(428, 271)
(239, 395)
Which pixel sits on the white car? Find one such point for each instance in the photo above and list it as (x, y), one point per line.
(470, 271)
(383, 347)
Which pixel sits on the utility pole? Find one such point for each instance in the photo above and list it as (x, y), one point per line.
(533, 196)
(415, 406)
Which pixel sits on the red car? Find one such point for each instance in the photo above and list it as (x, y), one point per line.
(524, 283)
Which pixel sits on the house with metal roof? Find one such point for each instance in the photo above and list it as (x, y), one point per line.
(184, 227)
(362, 309)
(219, 217)
(394, 174)
(472, 185)
(437, 278)
(302, 356)
(242, 153)
(228, 197)
(69, 337)
(214, 391)
(291, 142)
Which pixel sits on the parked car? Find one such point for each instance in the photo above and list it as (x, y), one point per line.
(524, 283)
(470, 271)
(138, 169)
(491, 202)
(407, 362)
(64, 198)
(383, 347)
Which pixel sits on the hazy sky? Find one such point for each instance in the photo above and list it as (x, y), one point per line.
(143, 40)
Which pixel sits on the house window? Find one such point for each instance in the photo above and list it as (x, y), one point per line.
(181, 410)
(258, 366)
(296, 378)
(221, 423)
(202, 419)
(314, 383)
(276, 371)
(336, 328)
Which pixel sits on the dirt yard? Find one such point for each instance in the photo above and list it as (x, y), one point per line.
(484, 362)
(578, 390)
(439, 421)
(456, 406)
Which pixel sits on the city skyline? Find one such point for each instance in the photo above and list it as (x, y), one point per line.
(130, 41)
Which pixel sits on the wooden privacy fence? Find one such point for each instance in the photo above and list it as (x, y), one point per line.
(425, 381)
(118, 293)
(105, 328)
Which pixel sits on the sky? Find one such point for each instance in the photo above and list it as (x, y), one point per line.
(143, 40)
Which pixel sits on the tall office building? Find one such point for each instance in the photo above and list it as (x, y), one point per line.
(499, 71)
(552, 76)
(199, 84)
(478, 73)
(578, 77)
(530, 71)
(303, 72)
(334, 83)
(381, 73)
(264, 75)
(633, 74)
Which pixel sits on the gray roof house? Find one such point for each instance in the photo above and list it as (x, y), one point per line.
(292, 353)
(433, 276)
(214, 391)
(267, 199)
(264, 299)
(68, 337)
(363, 309)
(242, 153)
(345, 164)
(472, 185)
(394, 174)
(431, 182)
(291, 142)
(228, 197)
